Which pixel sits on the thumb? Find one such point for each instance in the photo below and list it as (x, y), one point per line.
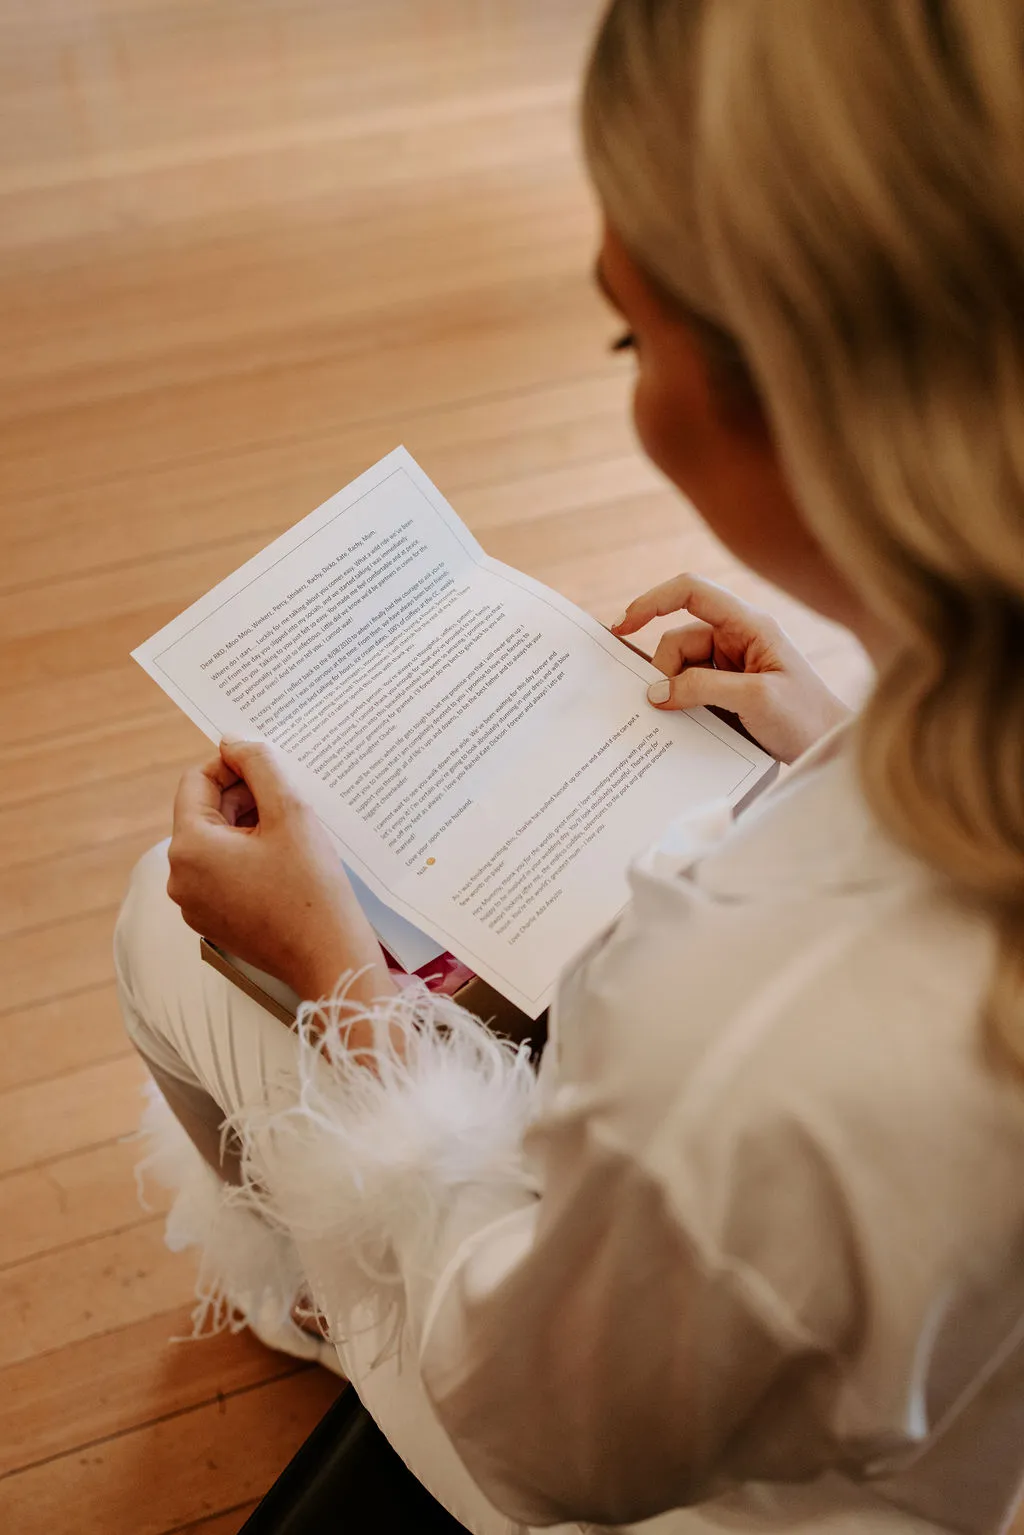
(262, 767)
(705, 685)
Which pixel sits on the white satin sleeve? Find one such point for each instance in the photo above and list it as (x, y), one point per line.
(668, 1320)
(588, 1347)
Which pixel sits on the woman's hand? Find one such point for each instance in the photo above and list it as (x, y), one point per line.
(738, 658)
(253, 870)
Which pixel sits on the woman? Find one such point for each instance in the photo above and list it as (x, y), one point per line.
(757, 1262)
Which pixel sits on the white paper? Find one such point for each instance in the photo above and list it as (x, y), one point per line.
(407, 943)
(482, 748)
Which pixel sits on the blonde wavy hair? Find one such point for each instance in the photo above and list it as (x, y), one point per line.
(835, 190)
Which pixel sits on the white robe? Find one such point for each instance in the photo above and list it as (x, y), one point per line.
(747, 1257)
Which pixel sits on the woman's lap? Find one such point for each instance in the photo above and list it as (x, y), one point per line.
(214, 1051)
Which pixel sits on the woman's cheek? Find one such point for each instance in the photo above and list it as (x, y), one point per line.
(664, 431)
(648, 420)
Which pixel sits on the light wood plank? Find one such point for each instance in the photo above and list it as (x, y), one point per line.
(122, 1277)
(29, 772)
(121, 806)
(537, 520)
(550, 330)
(45, 963)
(110, 1383)
(89, 1107)
(167, 1474)
(221, 1524)
(73, 704)
(603, 528)
(61, 1036)
(72, 1200)
(258, 487)
(233, 176)
(52, 890)
(265, 484)
(234, 302)
(105, 616)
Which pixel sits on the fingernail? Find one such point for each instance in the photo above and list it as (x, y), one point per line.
(658, 692)
(619, 621)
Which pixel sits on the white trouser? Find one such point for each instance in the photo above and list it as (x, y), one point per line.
(214, 1051)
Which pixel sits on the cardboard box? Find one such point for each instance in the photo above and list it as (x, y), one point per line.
(476, 996)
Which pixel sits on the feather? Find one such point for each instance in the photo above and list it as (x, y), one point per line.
(250, 1273)
(347, 1190)
(367, 1166)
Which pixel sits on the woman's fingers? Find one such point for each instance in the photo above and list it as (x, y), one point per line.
(692, 594)
(245, 784)
(237, 805)
(260, 766)
(738, 691)
(734, 657)
(197, 802)
(692, 645)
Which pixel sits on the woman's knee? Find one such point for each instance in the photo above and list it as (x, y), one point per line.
(151, 944)
(147, 883)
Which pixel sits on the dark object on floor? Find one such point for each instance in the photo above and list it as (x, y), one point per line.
(347, 1480)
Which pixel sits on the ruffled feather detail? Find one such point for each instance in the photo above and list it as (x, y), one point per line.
(388, 1152)
(250, 1273)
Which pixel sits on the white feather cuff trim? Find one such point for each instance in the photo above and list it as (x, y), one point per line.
(249, 1273)
(375, 1170)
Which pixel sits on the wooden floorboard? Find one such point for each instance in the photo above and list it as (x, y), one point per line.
(53, 1038)
(77, 1110)
(54, 1403)
(67, 1200)
(228, 1523)
(244, 251)
(161, 1474)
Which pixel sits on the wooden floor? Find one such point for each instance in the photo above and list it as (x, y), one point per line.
(246, 247)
